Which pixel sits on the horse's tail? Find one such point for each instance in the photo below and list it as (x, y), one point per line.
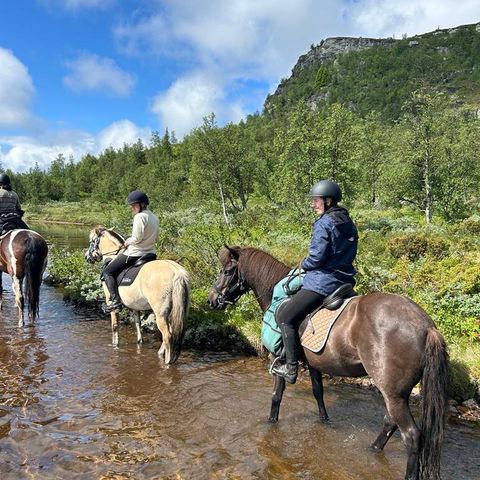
(434, 390)
(179, 312)
(34, 265)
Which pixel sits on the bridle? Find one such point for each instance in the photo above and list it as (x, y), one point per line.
(94, 254)
(235, 287)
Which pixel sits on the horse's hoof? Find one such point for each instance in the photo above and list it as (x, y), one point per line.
(272, 420)
(375, 449)
(325, 420)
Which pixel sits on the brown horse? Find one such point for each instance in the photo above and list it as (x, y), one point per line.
(23, 255)
(386, 336)
(162, 286)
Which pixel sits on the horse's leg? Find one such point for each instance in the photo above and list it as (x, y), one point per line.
(397, 408)
(317, 387)
(278, 389)
(138, 327)
(164, 350)
(1, 283)
(114, 323)
(17, 288)
(389, 429)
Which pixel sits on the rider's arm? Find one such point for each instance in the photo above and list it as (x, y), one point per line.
(139, 222)
(319, 247)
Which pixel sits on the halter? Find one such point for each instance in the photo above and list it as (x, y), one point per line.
(93, 249)
(233, 290)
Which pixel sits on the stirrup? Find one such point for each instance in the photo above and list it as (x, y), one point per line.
(272, 365)
(111, 307)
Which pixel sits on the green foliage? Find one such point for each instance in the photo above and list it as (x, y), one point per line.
(460, 385)
(323, 77)
(413, 246)
(81, 282)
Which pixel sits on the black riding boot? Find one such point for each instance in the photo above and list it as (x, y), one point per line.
(111, 284)
(289, 369)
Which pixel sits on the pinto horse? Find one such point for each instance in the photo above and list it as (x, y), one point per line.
(23, 255)
(386, 336)
(162, 286)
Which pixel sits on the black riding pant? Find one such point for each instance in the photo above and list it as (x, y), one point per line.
(298, 307)
(121, 262)
(290, 316)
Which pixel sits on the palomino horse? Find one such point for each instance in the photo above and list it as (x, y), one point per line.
(23, 255)
(161, 285)
(386, 336)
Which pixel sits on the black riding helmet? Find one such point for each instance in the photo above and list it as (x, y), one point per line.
(4, 179)
(326, 188)
(137, 196)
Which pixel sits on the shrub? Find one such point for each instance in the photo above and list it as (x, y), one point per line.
(416, 245)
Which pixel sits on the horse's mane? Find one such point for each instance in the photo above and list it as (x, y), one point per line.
(261, 270)
(116, 235)
(100, 230)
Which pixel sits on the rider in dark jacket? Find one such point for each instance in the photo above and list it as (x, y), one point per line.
(10, 211)
(329, 265)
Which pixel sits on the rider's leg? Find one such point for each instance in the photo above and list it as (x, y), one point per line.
(289, 318)
(110, 273)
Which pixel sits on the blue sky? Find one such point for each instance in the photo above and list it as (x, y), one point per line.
(78, 76)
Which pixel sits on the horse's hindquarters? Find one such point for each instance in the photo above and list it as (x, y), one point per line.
(151, 286)
(162, 286)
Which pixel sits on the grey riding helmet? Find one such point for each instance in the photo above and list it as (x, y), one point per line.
(326, 188)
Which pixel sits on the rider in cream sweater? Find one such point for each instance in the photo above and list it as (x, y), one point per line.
(141, 242)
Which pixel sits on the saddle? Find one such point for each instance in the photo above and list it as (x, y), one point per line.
(11, 221)
(331, 307)
(316, 327)
(127, 277)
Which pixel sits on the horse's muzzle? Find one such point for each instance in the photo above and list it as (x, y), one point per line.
(215, 301)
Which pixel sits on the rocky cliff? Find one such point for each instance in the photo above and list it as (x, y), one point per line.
(330, 48)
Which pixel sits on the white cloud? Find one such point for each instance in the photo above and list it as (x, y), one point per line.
(89, 72)
(119, 133)
(20, 153)
(243, 37)
(259, 42)
(392, 17)
(16, 91)
(183, 106)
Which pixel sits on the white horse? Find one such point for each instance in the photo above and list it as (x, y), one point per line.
(162, 286)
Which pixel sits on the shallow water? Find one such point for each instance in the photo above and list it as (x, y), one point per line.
(72, 406)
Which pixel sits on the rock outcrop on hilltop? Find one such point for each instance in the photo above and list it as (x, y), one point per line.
(330, 48)
(380, 73)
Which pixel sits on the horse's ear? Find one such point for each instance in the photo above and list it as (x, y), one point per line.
(233, 251)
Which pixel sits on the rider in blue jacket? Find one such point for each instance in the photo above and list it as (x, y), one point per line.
(329, 265)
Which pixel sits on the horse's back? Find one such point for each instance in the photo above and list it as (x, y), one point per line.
(155, 281)
(162, 268)
(373, 327)
(15, 244)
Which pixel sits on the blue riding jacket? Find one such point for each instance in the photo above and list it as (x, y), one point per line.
(333, 248)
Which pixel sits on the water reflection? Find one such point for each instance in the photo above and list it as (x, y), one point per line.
(63, 235)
